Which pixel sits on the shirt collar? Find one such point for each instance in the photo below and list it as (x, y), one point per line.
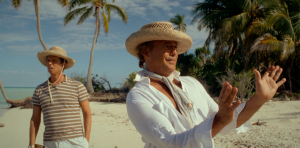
(140, 76)
(65, 79)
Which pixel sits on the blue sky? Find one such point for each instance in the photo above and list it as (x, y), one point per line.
(19, 42)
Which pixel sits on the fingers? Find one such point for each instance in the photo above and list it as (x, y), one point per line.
(257, 75)
(281, 82)
(226, 93)
(277, 75)
(235, 105)
(273, 72)
(222, 91)
(231, 97)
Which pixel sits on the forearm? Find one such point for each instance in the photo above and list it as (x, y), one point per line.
(217, 126)
(251, 107)
(87, 125)
(34, 128)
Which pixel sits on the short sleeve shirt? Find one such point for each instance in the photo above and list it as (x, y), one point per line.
(62, 116)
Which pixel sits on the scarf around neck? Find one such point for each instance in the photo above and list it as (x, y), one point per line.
(181, 98)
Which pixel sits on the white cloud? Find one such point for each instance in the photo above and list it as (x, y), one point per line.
(198, 37)
(25, 49)
(18, 37)
(49, 9)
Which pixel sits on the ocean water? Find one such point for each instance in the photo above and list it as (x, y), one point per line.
(14, 93)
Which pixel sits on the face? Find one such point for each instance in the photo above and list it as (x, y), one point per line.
(54, 65)
(162, 58)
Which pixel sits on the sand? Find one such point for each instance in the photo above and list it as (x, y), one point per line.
(111, 128)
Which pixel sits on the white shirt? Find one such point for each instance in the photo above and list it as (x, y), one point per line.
(156, 119)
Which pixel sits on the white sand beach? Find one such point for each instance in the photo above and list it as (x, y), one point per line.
(111, 128)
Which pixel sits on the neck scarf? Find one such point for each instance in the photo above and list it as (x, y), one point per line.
(184, 104)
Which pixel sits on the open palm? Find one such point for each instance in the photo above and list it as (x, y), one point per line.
(266, 86)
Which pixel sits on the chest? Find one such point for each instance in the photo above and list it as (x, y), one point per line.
(62, 96)
(161, 87)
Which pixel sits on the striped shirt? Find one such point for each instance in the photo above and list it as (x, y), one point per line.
(62, 117)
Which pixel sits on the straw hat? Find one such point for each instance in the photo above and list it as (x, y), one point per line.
(158, 31)
(55, 51)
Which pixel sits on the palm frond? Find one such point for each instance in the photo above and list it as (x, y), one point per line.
(76, 3)
(105, 23)
(288, 47)
(85, 15)
(73, 14)
(107, 10)
(120, 11)
(282, 23)
(259, 28)
(296, 24)
(63, 3)
(16, 3)
(266, 43)
(244, 5)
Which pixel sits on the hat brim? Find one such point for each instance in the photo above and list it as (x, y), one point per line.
(43, 55)
(184, 41)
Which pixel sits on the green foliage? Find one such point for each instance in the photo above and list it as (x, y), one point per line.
(178, 20)
(129, 83)
(78, 77)
(248, 34)
(98, 7)
(98, 84)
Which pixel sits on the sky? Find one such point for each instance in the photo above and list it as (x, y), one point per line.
(19, 42)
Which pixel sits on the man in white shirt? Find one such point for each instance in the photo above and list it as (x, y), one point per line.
(169, 110)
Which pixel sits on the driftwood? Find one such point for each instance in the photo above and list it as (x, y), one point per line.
(106, 82)
(14, 103)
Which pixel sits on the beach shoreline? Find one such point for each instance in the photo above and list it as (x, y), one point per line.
(111, 127)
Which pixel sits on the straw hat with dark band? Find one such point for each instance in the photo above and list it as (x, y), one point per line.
(158, 31)
(55, 51)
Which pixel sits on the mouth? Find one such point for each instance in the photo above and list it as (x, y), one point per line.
(172, 61)
(50, 68)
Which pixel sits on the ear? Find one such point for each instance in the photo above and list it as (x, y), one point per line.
(146, 53)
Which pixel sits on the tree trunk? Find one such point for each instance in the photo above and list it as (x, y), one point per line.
(242, 50)
(36, 4)
(14, 103)
(289, 72)
(89, 85)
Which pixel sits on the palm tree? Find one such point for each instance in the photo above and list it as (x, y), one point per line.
(227, 22)
(202, 52)
(98, 7)
(36, 3)
(178, 20)
(286, 37)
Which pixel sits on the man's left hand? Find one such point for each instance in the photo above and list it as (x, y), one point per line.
(266, 86)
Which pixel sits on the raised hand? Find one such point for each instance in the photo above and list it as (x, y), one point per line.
(266, 86)
(226, 106)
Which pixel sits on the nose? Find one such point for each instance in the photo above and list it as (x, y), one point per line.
(173, 50)
(49, 63)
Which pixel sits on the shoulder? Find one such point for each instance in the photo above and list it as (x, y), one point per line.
(190, 80)
(74, 82)
(41, 86)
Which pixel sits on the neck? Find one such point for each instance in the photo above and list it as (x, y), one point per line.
(164, 73)
(54, 78)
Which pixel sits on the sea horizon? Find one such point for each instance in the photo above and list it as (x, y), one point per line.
(14, 93)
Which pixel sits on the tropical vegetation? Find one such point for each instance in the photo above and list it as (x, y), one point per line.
(246, 34)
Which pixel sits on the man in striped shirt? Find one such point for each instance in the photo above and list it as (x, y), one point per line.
(60, 100)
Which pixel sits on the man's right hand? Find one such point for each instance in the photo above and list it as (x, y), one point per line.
(226, 108)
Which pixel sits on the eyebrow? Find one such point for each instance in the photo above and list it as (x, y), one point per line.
(169, 43)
